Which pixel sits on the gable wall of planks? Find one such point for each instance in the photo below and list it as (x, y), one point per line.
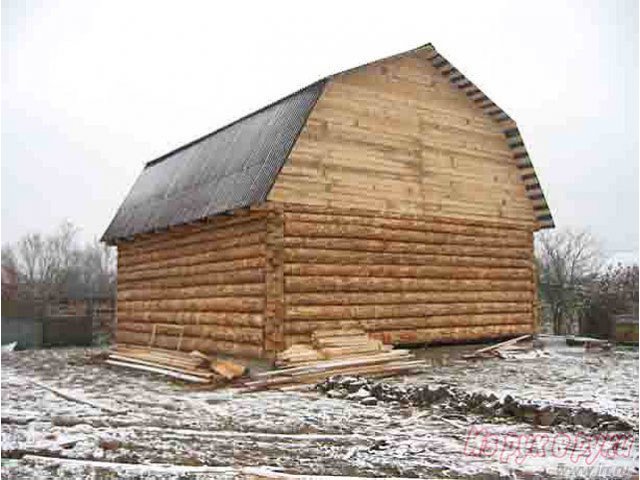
(395, 136)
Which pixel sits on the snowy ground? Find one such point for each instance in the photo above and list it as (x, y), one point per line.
(214, 434)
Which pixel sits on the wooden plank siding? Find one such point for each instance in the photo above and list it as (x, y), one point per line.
(396, 136)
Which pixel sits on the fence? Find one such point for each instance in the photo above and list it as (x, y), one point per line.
(67, 323)
(26, 332)
(47, 332)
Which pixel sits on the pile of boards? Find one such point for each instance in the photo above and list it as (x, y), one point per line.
(588, 343)
(194, 366)
(519, 348)
(337, 352)
(330, 344)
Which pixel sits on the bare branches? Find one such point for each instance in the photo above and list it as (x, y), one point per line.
(615, 292)
(568, 260)
(9, 258)
(55, 265)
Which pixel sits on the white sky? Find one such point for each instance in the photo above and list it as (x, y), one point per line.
(93, 90)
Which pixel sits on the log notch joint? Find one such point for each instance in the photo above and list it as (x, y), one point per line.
(274, 313)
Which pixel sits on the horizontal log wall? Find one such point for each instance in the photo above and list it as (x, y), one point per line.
(252, 285)
(395, 136)
(405, 278)
(209, 278)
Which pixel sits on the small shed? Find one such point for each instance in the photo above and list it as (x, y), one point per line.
(394, 197)
(625, 328)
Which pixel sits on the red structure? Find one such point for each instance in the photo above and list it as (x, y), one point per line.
(9, 283)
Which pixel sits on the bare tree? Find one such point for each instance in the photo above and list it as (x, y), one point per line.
(568, 260)
(56, 265)
(9, 258)
(614, 292)
(45, 262)
(30, 250)
(59, 258)
(95, 271)
(9, 276)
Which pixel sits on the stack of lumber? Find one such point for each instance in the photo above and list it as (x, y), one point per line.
(193, 367)
(381, 364)
(334, 352)
(330, 344)
(298, 354)
(344, 343)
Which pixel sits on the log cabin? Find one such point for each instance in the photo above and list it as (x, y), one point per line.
(395, 197)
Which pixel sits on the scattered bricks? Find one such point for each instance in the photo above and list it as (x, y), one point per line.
(16, 420)
(360, 395)
(337, 393)
(369, 392)
(109, 443)
(585, 418)
(544, 417)
(66, 420)
(356, 384)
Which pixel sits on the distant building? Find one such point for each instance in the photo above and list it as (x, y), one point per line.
(625, 328)
(9, 283)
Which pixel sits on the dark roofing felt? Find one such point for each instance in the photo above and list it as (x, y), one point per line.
(231, 168)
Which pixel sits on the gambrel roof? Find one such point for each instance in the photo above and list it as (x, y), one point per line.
(236, 166)
(231, 168)
(510, 130)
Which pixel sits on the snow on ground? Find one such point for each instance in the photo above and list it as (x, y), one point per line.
(213, 434)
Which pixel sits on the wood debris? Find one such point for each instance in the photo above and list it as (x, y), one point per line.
(588, 343)
(336, 352)
(73, 397)
(500, 349)
(228, 370)
(194, 367)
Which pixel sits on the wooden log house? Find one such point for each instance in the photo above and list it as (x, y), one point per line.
(394, 197)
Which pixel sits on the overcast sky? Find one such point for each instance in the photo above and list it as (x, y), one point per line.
(92, 90)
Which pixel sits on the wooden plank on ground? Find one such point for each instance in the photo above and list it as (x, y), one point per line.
(162, 371)
(73, 397)
(200, 373)
(497, 346)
